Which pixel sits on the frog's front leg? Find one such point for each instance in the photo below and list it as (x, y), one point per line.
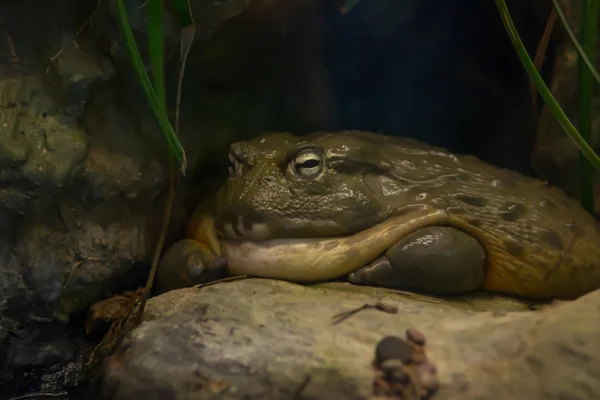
(194, 260)
(436, 259)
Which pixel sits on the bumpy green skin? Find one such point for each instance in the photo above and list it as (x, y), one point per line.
(336, 202)
(537, 242)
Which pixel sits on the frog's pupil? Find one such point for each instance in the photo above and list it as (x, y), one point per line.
(309, 163)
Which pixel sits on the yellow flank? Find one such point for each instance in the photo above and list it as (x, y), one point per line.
(202, 229)
(538, 272)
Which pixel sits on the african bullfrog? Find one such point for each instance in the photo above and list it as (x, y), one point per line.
(385, 211)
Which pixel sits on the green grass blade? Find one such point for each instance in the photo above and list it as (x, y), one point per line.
(587, 37)
(156, 52)
(175, 149)
(549, 99)
(183, 13)
(580, 50)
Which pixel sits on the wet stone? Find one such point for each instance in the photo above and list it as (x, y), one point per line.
(219, 332)
(428, 376)
(413, 335)
(393, 348)
(394, 371)
(418, 355)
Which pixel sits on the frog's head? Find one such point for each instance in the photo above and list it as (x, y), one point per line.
(286, 186)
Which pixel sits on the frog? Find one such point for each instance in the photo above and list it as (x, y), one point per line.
(385, 211)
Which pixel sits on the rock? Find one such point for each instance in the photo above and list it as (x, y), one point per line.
(393, 348)
(79, 181)
(262, 338)
(36, 146)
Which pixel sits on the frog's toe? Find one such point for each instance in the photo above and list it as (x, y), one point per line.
(437, 259)
(187, 263)
(377, 273)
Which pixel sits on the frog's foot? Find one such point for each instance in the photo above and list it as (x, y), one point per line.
(436, 259)
(187, 263)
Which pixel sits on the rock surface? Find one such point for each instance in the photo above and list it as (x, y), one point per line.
(79, 190)
(260, 339)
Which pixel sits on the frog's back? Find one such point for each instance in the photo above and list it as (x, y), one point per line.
(539, 242)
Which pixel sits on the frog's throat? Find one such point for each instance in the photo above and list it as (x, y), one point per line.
(321, 259)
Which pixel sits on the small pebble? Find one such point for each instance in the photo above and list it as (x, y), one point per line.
(394, 372)
(415, 336)
(418, 356)
(380, 386)
(429, 382)
(393, 348)
(388, 308)
(427, 376)
(428, 367)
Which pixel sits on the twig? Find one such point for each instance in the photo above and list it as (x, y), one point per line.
(14, 57)
(539, 58)
(378, 306)
(77, 264)
(81, 28)
(161, 242)
(39, 394)
(87, 21)
(303, 386)
(224, 280)
(58, 53)
(336, 319)
(170, 196)
(113, 334)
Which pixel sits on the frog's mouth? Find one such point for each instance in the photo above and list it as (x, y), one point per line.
(320, 259)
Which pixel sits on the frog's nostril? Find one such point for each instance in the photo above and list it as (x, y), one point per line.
(269, 179)
(235, 165)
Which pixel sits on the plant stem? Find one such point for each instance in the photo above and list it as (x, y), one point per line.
(587, 38)
(156, 52)
(582, 54)
(549, 99)
(175, 149)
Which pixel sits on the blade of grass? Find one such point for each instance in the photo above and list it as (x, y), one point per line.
(174, 146)
(156, 55)
(183, 13)
(547, 96)
(580, 50)
(187, 36)
(538, 61)
(187, 39)
(187, 25)
(156, 52)
(587, 38)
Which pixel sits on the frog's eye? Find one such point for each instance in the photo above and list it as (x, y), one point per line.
(308, 163)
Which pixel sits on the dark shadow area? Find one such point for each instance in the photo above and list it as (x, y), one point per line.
(441, 72)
